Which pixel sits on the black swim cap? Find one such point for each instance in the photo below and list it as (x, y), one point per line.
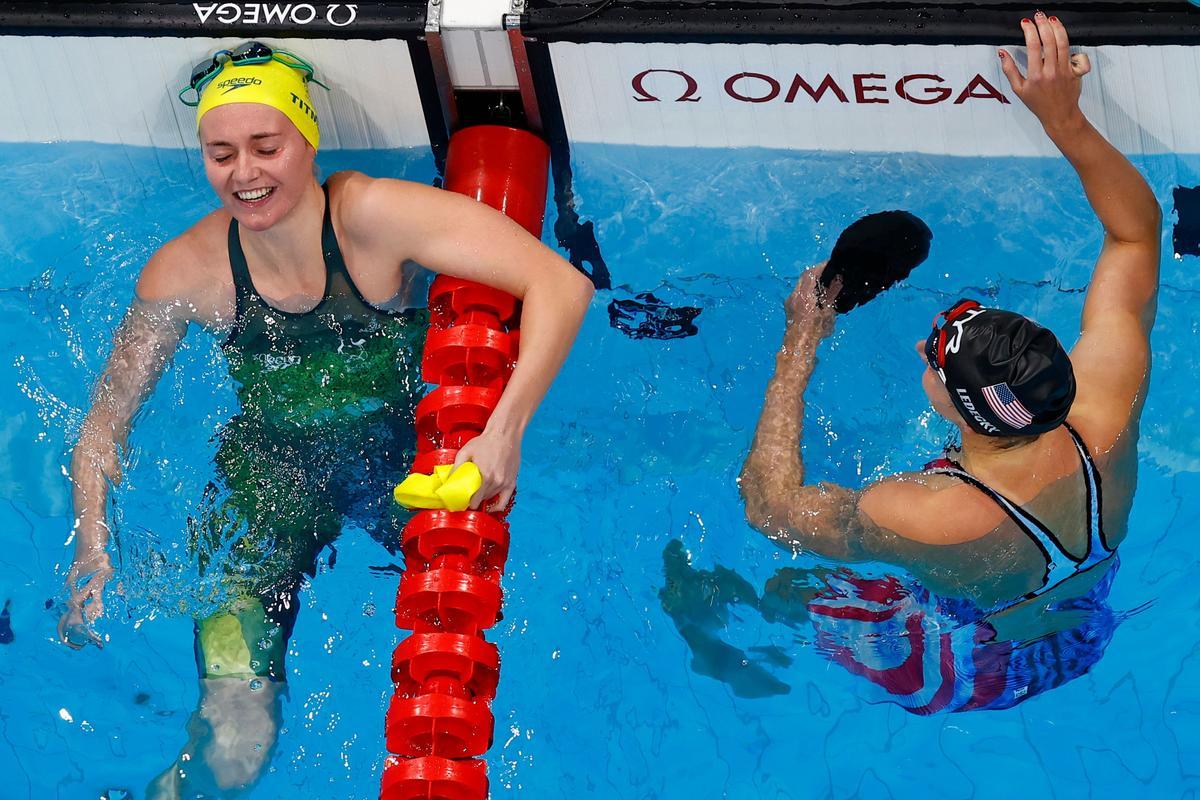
(1007, 375)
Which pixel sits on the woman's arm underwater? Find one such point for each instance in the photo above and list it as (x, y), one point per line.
(142, 347)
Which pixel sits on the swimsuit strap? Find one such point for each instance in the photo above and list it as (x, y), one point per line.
(332, 252)
(335, 262)
(340, 299)
(1060, 564)
(242, 285)
(1098, 548)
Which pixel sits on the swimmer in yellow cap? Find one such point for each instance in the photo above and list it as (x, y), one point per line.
(256, 91)
(314, 291)
(270, 83)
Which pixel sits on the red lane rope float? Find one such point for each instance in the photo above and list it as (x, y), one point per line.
(468, 355)
(480, 537)
(433, 778)
(453, 414)
(445, 673)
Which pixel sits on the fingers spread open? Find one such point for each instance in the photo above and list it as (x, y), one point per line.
(1033, 47)
(1062, 45)
(1011, 71)
(1050, 65)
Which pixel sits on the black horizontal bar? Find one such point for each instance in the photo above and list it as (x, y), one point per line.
(833, 22)
(862, 23)
(396, 20)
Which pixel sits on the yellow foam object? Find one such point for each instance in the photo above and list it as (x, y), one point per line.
(447, 488)
(271, 84)
(419, 491)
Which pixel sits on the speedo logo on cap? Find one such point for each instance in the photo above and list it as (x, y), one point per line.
(229, 84)
(970, 407)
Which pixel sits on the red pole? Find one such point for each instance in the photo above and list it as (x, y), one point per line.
(439, 723)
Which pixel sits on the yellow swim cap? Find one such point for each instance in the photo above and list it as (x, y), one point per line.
(269, 83)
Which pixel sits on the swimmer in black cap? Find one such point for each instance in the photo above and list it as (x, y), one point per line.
(1038, 497)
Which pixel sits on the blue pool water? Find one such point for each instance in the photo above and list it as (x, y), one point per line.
(636, 447)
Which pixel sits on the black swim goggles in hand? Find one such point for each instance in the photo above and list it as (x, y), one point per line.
(939, 338)
(242, 55)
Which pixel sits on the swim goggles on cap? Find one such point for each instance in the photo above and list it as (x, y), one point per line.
(243, 54)
(939, 338)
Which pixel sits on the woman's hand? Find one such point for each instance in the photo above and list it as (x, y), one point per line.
(498, 456)
(812, 304)
(1052, 87)
(85, 601)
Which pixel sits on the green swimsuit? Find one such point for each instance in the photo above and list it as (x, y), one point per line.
(325, 432)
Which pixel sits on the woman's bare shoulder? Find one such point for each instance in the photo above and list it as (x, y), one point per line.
(929, 508)
(192, 270)
(369, 209)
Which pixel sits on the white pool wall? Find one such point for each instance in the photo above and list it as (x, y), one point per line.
(1145, 99)
(124, 90)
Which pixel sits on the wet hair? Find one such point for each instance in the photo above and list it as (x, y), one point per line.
(1012, 442)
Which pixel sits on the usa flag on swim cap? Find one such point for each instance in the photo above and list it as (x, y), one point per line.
(1006, 405)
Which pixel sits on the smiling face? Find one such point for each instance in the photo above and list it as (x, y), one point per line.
(256, 161)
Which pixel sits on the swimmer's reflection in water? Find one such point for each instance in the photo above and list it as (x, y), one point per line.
(313, 291)
(1013, 534)
(925, 653)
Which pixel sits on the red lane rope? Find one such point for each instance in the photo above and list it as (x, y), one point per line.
(445, 673)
